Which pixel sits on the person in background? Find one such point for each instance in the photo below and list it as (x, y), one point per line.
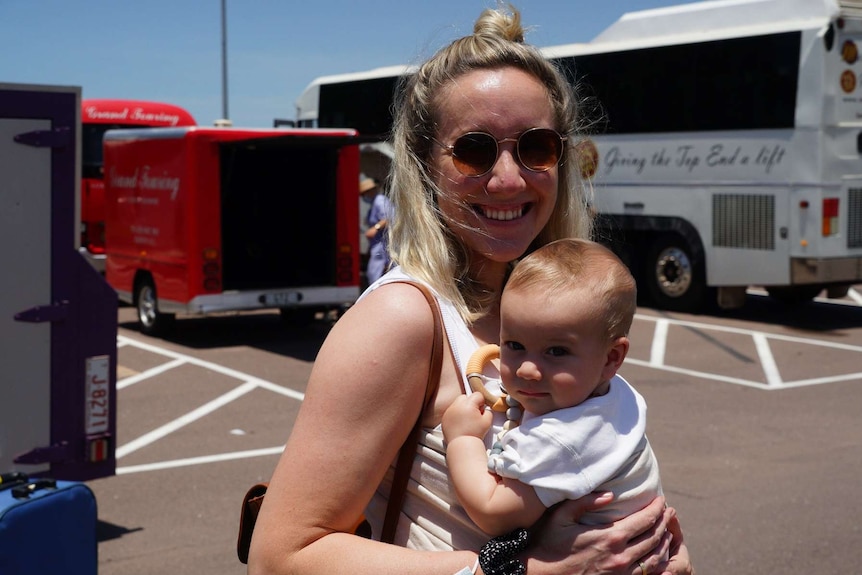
(484, 172)
(565, 315)
(377, 234)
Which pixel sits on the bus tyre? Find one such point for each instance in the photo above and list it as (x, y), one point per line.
(152, 321)
(675, 278)
(794, 295)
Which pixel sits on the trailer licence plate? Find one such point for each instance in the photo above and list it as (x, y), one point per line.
(282, 299)
(98, 391)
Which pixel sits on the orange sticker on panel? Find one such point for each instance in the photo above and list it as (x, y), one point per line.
(848, 81)
(849, 52)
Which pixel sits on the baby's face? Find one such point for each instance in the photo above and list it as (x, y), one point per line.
(552, 351)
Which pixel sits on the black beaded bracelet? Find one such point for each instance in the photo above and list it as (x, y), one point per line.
(497, 556)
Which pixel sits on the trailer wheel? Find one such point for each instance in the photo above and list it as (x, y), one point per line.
(151, 320)
(675, 278)
(298, 316)
(794, 295)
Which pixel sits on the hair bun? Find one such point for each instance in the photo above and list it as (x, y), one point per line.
(500, 24)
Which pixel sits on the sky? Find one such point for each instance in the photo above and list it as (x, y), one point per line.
(171, 51)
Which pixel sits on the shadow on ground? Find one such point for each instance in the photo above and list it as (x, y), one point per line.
(106, 531)
(263, 330)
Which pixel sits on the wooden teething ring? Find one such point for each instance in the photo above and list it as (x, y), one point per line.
(502, 403)
(474, 376)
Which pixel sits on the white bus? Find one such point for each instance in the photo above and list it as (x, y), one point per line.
(729, 144)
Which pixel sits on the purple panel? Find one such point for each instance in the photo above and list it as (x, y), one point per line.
(90, 329)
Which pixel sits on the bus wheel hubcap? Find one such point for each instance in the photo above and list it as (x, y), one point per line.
(673, 272)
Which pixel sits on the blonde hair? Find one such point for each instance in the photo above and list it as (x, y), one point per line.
(421, 243)
(585, 265)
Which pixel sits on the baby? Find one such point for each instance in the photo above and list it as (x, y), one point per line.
(565, 315)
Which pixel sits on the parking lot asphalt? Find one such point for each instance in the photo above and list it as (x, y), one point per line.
(754, 417)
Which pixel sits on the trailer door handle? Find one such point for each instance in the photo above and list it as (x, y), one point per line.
(57, 138)
(42, 313)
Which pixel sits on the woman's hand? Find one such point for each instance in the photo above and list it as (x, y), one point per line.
(561, 545)
(679, 562)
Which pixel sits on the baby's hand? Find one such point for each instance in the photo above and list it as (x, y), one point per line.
(467, 416)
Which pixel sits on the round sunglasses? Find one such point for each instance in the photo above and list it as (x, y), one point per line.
(537, 149)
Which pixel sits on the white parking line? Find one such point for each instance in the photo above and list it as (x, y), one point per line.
(750, 332)
(767, 360)
(186, 419)
(199, 460)
(249, 384)
(187, 359)
(761, 339)
(659, 343)
(133, 379)
(696, 374)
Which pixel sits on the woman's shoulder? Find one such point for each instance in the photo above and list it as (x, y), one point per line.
(458, 333)
(394, 303)
(380, 340)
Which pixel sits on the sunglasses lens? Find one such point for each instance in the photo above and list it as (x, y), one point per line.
(474, 153)
(540, 150)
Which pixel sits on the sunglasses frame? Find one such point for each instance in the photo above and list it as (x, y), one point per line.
(517, 140)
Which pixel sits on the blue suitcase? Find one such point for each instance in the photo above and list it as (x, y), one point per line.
(47, 527)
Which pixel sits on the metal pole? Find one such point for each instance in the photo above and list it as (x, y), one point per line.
(224, 60)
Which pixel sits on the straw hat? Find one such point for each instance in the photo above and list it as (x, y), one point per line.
(367, 184)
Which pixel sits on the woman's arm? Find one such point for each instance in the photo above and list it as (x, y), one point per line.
(497, 505)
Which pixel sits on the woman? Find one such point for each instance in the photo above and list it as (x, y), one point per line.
(466, 205)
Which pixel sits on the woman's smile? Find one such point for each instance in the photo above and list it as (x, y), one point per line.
(501, 213)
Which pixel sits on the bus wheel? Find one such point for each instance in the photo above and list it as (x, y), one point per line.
(675, 279)
(152, 321)
(794, 295)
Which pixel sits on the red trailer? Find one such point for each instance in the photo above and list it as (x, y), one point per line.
(202, 220)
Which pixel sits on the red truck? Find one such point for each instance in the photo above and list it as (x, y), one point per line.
(202, 220)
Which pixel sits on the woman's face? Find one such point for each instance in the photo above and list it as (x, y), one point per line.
(497, 215)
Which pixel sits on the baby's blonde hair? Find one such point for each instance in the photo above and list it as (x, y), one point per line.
(573, 263)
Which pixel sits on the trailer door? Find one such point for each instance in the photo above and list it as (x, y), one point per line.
(58, 319)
